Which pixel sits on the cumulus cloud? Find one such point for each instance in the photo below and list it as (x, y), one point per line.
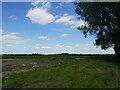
(44, 37)
(12, 38)
(66, 19)
(40, 14)
(69, 20)
(64, 35)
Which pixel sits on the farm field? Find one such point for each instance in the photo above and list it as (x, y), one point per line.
(60, 71)
(60, 44)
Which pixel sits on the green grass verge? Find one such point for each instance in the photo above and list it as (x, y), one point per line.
(90, 73)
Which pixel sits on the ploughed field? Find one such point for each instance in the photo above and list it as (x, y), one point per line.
(60, 71)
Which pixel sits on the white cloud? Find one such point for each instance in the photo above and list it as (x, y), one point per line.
(64, 35)
(84, 49)
(44, 37)
(60, 5)
(66, 19)
(40, 2)
(69, 20)
(14, 33)
(58, 46)
(35, 3)
(12, 38)
(78, 23)
(40, 14)
(46, 5)
(46, 47)
(38, 44)
(9, 45)
(78, 49)
(1, 31)
(14, 17)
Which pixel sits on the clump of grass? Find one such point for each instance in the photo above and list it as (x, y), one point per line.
(35, 66)
(23, 65)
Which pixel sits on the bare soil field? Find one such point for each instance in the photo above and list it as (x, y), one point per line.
(10, 66)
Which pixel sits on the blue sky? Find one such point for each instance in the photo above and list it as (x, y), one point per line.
(44, 27)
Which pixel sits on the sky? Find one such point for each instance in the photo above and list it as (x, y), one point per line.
(44, 27)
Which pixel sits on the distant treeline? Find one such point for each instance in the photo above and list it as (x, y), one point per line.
(62, 55)
(37, 54)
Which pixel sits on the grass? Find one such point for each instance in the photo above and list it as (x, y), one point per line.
(87, 73)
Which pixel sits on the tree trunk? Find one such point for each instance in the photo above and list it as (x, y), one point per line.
(117, 50)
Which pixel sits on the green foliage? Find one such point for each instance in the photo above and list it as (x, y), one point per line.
(102, 20)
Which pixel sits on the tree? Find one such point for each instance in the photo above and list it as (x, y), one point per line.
(102, 19)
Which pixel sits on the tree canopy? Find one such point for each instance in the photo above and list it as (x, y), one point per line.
(102, 19)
